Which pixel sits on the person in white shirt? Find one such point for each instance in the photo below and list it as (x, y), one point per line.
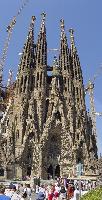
(42, 189)
(57, 188)
(28, 191)
(76, 192)
(8, 192)
(14, 195)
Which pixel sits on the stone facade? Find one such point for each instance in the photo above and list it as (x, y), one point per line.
(46, 129)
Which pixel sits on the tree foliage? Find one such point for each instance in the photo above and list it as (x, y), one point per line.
(93, 195)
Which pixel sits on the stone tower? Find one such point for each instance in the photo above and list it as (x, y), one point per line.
(46, 129)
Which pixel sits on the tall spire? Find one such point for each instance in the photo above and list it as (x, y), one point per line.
(64, 51)
(73, 48)
(76, 73)
(64, 64)
(62, 28)
(41, 47)
(27, 59)
(43, 15)
(64, 44)
(31, 28)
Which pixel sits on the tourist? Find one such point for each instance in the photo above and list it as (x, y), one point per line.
(2, 195)
(65, 182)
(76, 194)
(50, 193)
(70, 191)
(63, 194)
(14, 195)
(36, 189)
(46, 192)
(57, 187)
(56, 191)
(21, 189)
(28, 191)
(56, 195)
(42, 189)
(8, 192)
(24, 196)
(40, 196)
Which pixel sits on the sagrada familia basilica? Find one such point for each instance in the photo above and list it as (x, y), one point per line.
(46, 129)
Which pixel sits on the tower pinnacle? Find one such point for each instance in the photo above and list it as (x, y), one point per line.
(41, 46)
(31, 27)
(62, 28)
(27, 60)
(73, 48)
(62, 24)
(32, 21)
(43, 15)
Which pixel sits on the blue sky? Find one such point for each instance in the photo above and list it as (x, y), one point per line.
(84, 16)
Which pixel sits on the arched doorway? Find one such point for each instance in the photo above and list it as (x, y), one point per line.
(57, 171)
(50, 172)
(53, 172)
(28, 170)
(29, 161)
(51, 153)
(1, 172)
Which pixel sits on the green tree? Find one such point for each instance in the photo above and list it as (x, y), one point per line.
(93, 195)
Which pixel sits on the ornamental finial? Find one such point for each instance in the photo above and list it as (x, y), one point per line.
(71, 30)
(33, 19)
(43, 15)
(62, 24)
(31, 28)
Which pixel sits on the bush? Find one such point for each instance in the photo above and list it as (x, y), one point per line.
(93, 195)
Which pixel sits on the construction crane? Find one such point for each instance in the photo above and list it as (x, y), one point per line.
(90, 90)
(9, 30)
(8, 98)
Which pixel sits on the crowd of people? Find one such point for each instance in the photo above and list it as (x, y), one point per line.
(60, 190)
